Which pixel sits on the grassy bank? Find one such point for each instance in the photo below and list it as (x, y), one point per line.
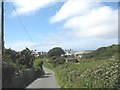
(97, 69)
(94, 73)
(47, 64)
(88, 74)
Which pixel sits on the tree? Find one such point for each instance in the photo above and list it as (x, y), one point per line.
(57, 51)
(26, 58)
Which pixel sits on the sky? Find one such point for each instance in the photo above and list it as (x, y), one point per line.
(69, 24)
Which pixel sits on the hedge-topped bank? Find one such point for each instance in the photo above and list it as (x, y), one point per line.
(19, 69)
(91, 72)
(23, 78)
(98, 74)
(87, 74)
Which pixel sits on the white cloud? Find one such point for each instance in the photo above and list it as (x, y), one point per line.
(87, 19)
(19, 45)
(92, 21)
(42, 46)
(26, 7)
(99, 23)
(72, 8)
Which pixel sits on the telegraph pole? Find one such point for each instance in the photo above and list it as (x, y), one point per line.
(1, 39)
(2, 26)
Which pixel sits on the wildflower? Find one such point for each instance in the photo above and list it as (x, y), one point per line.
(112, 66)
(81, 75)
(107, 72)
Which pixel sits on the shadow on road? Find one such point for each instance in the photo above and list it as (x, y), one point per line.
(48, 73)
(44, 76)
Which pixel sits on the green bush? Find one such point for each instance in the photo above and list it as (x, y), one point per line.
(57, 60)
(60, 60)
(14, 66)
(47, 64)
(51, 59)
(37, 64)
(8, 72)
(21, 67)
(23, 79)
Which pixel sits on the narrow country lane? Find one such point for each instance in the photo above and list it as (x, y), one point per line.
(46, 81)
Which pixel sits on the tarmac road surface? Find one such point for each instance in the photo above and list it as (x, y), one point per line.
(46, 81)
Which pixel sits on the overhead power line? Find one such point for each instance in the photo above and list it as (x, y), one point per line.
(22, 23)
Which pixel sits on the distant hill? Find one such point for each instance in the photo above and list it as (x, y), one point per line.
(102, 52)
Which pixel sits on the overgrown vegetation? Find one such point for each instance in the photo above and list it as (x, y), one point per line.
(102, 53)
(97, 69)
(95, 74)
(37, 64)
(55, 61)
(18, 69)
